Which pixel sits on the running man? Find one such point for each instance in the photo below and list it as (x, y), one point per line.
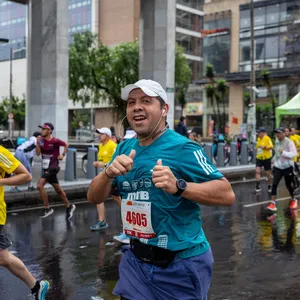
(106, 151)
(24, 154)
(264, 148)
(290, 133)
(48, 147)
(163, 179)
(285, 151)
(9, 164)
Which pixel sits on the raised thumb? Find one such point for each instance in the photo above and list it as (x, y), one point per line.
(132, 154)
(159, 162)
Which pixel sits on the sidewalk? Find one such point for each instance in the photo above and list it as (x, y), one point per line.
(77, 190)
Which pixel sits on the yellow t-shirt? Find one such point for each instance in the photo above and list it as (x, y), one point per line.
(8, 163)
(106, 151)
(264, 153)
(296, 141)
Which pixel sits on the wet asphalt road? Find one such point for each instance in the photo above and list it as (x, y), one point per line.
(255, 258)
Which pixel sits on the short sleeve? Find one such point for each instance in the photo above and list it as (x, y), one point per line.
(61, 143)
(7, 161)
(195, 165)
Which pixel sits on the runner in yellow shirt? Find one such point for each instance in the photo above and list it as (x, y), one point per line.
(106, 151)
(9, 164)
(264, 148)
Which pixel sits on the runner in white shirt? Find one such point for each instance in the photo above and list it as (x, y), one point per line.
(24, 154)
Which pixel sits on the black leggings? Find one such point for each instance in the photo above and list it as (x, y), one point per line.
(289, 179)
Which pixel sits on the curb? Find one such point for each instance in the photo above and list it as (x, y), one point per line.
(77, 192)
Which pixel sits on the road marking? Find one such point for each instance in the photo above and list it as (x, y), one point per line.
(265, 202)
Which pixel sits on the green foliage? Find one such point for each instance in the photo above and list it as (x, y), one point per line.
(217, 92)
(18, 110)
(97, 71)
(210, 72)
(80, 116)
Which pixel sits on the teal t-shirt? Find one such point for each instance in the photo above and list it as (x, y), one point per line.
(176, 221)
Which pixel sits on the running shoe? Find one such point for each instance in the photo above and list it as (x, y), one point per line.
(257, 189)
(46, 212)
(122, 238)
(272, 218)
(272, 207)
(294, 204)
(270, 188)
(99, 225)
(41, 293)
(14, 190)
(31, 189)
(70, 210)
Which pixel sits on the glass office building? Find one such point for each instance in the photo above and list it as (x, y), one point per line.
(216, 41)
(276, 35)
(13, 25)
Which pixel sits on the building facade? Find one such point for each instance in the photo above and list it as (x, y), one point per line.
(276, 49)
(114, 22)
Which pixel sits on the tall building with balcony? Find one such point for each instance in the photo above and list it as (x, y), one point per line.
(276, 48)
(114, 22)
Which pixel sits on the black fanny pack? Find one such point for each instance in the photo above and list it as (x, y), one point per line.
(151, 254)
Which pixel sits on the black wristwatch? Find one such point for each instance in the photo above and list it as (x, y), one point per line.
(181, 186)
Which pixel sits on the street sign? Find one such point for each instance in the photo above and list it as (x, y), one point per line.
(10, 115)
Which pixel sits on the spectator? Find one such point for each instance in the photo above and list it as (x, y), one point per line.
(181, 127)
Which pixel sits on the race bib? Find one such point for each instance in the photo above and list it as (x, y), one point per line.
(136, 217)
(259, 151)
(45, 163)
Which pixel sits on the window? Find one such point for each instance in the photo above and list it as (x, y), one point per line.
(188, 20)
(245, 50)
(272, 47)
(259, 16)
(245, 18)
(273, 14)
(259, 45)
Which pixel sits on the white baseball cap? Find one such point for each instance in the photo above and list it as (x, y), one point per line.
(104, 130)
(149, 87)
(129, 134)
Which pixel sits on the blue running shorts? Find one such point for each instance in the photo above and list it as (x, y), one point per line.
(186, 279)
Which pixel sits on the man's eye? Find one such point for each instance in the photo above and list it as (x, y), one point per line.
(146, 101)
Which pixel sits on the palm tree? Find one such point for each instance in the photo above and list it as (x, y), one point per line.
(222, 89)
(266, 79)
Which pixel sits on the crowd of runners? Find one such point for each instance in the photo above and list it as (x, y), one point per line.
(160, 178)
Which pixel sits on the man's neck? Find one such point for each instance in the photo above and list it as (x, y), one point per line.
(154, 136)
(48, 137)
(105, 142)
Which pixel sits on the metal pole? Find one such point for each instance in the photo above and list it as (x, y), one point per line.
(252, 76)
(10, 92)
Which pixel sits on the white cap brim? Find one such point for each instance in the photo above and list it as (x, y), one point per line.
(130, 87)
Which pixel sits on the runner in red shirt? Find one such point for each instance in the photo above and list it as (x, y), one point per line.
(48, 146)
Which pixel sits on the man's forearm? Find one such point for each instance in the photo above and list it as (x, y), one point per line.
(99, 189)
(214, 192)
(37, 150)
(17, 179)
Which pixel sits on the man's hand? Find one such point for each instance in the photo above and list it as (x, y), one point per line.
(98, 164)
(163, 178)
(38, 139)
(121, 165)
(60, 157)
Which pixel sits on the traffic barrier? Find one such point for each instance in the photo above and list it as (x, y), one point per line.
(208, 151)
(233, 154)
(220, 155)
(92, 156)
(71, 166)
(254, 155)
(244, 153)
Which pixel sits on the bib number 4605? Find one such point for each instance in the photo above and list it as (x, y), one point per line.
(136, 218)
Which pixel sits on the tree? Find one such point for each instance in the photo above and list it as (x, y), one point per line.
(266, 79)
(183, 75)
(217, 92)
(18, 110)
(98, 71)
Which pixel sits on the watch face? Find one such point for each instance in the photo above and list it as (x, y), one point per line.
(181, 184)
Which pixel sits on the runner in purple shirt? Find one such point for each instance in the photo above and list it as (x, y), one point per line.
(49, 147)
